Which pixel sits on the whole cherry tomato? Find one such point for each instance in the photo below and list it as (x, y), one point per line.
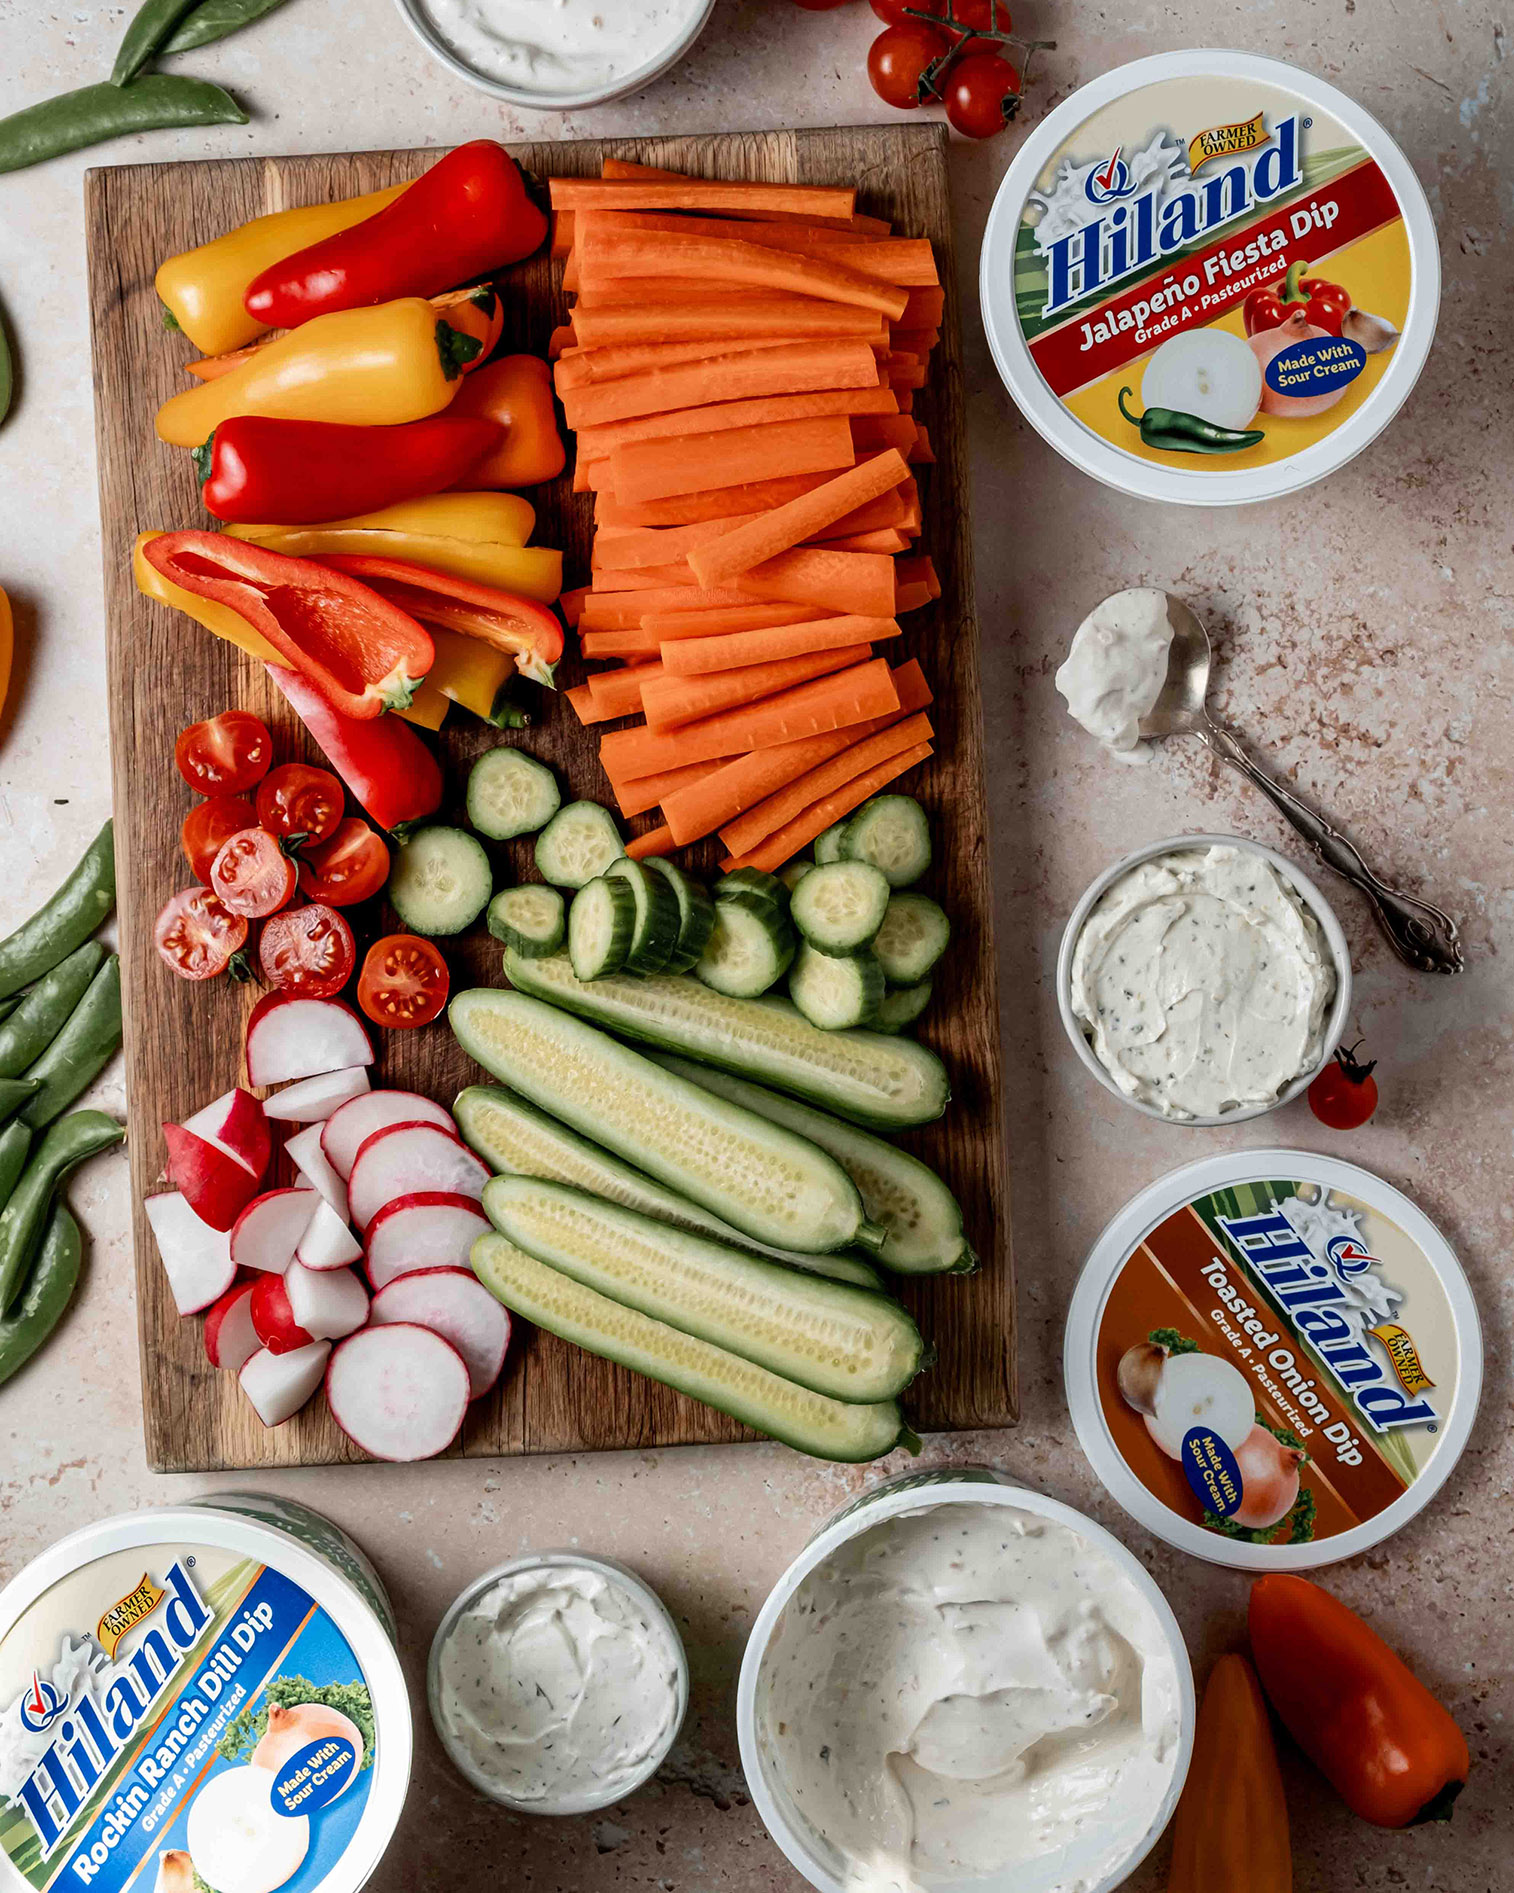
(982, 16)
(196, 936)
(224, 755)
(296, 802)
(982, 94)
(208, 824)
(899, 12)
(252, 874)
(307, 950)
(350, 867)
(1344, 1095)
(404, 981)
(900, 58)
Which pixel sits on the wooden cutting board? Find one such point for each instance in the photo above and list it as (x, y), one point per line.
(182, 1041)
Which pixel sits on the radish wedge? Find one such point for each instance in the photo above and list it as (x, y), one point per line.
(196, 1258)
(215, 1184)
(289, 1038)
(305, 1153)
(274, 1321)
(327, 1302)
(230, 1338)
(278, 1385)
(267, 1233)
(454, 1304)
(345, 1130)
(398, 1392)
(236, 1124)
(327, 1242)
(403, 1158)
(312, 1100)
(432, 1229)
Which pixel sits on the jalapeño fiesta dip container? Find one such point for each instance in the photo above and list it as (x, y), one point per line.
(206, 1694)
(1210, 278)
(1273, 1359)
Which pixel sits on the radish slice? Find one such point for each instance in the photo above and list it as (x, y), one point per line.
(196, 1258)
(235, 1123)
(267, 1233)
(273, 1320)
(304, 1152)
(327, 1242)
(290, 1038)
(347, 1129)
(327, 1302)
(230, 1338)
(214, 1184)
(405, 1158)
(429, 1230)
(398, 1392)
(312, 1100)
(454, 1304)
(278, 1385)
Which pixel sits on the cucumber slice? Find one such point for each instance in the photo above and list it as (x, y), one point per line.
(794, 873)
(655, 934)
(771, 1184)
(902, 1005)
(530, 920)
(750, 948)
(922, 1217)
(892, 833)
(826, 1336)
(913, 937)
(754, 886)
(828, 845)
(577, 845)
(441, 880)
(511, 793)
(887, 1082)
(833, 992)
(513, 1136)
(601, 923)
(840, 906)
(809, 1422)
(696, 913)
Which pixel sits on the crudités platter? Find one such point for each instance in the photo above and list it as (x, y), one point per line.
(164, 675)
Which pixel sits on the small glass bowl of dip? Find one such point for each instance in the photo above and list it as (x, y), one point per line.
(1314, 904)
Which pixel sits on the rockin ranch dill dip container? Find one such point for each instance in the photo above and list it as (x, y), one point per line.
(200, 1697)
(1209, 278)
(1273, 1359)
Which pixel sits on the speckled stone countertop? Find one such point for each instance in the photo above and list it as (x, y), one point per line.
(1363, 634)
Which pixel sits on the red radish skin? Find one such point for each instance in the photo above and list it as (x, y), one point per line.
(432, 1229)
(398, 1392)
(236, 1124)
(454, 1304)
(267, 1233)
(305, 1153)
(230, 1338)
(196, 1258)
(216, 1187)
(327, 1244)
(312, 1100)
(404, 1158)
(349, 1128)
(327, 1303)
(290, 1038)
(273, 1319)
(278, 1385)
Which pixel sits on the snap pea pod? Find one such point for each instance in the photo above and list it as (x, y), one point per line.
(43, 1011)
(15, 1142)
(96, 113)
(150, 26)
(67, 1144)
(215, 19)
(46, 1295)
(14, 1092)
(8, 1006)
(7, 370)
(67, 920)
(81, 1050)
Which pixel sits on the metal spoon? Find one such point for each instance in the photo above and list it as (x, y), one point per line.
(1420, 934)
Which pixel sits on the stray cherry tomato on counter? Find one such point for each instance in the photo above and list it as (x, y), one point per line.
(208, 824)
(982, 93)
(1344, 1095)
(307, 950)
(196, 936)
(899, 60)
(252, 875)
(297, 802)
(404, 981)
(225, 755)
(350, 867)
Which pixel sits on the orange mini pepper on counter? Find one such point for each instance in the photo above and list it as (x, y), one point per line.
(516, 392)
(1373, 1730)
(1230, 1832)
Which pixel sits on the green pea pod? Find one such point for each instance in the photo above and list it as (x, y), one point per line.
(14, 1092)
(44, 1009)
(150, 26)
(67, 1144)
(15, 1142)
(8, 1006)
(47, 1293)
(96, 113)
(215, 19)
(1171, 431)
(81, 1050)
(64, 922)
(7, 371)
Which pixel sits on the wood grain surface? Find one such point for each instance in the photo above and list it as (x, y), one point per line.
(183, 1041)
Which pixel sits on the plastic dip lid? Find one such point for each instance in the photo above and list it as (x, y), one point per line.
(1199, 248)
(1273, 1359)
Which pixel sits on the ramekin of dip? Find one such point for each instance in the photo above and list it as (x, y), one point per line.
(1204, 979)
(960, 1682)
(557, 1683)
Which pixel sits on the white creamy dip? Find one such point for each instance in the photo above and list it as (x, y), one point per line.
(970, 1692)
(1202, 982)
(559, 1686)
(1116, 668)
(559, 46)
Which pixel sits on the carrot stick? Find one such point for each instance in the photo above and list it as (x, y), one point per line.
(673, 626)
(841, 581)
(730, 319)
(624, 549)
(913, 595)
(905, 374)
(919, 342)
(627, 167)
(819, 238)
(668, 702)
(701, 656)
(583, 702)
(583, 365)
(635, 643)
(595, 442)
(717, 260)
(923, 309)
(645, 578)
(767, 817)
(899, 507)
(876, 433)
(571, 603)
(643, 792)
(886, 539)
(614, 292)
(919, 570)
(921, 451)
(845, 362)
(622, 611)
(655, 469)
(618, 692)
(799, 833)
(773, 533)
(673, 192)
(900, 262)
(654, 841)
(722, 502)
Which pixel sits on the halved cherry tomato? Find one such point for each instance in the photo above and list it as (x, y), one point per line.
(224, 755)
(298, 802)
(208, 824)
(982, 93)
(252, 874)
(404, 981)
(350, 867)
(900, 59)
(307, 950)
(196, 935)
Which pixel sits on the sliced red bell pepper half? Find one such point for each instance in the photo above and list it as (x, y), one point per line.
(361, 651)
(510, 623)
(382, 760)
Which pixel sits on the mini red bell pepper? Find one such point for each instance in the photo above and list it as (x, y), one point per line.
(531, 632)
(259, 471)
(1326, 305)
(383, 762)
(468, 215)
(360, 651)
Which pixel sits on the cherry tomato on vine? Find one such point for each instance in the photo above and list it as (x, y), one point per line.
(404, 981)
(208, 824)
(982, 93)
(900, 57)
(899, 12)
(1344, 1095)
(349, 867)
(252, 875)
(308, 950)
(295, 799)
(224, 755)
(981, 16)
(196, 936)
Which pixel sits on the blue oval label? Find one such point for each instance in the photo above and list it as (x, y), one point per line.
(1210, 1468)
(314, 1776)
(1320, 364)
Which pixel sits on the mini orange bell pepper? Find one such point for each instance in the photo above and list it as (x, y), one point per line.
(515, 391)
(1230, 1833)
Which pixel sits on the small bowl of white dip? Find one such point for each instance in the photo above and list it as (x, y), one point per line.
(1204, 979)
(961, 1682)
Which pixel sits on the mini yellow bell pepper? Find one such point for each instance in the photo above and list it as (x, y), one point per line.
(501, 519)
(532, 571)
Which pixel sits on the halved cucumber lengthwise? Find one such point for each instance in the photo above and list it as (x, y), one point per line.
(514, 1137)
(809, 1422)
(827, 1336)
(768, 1182)
(922, 1217)
(869, 1077)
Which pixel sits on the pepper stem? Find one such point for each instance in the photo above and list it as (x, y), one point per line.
(1291, 290)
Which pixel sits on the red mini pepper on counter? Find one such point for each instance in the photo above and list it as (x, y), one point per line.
(383, 762)
(360, 651)
(530, 631)
(1326, 305)
(467, 215)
